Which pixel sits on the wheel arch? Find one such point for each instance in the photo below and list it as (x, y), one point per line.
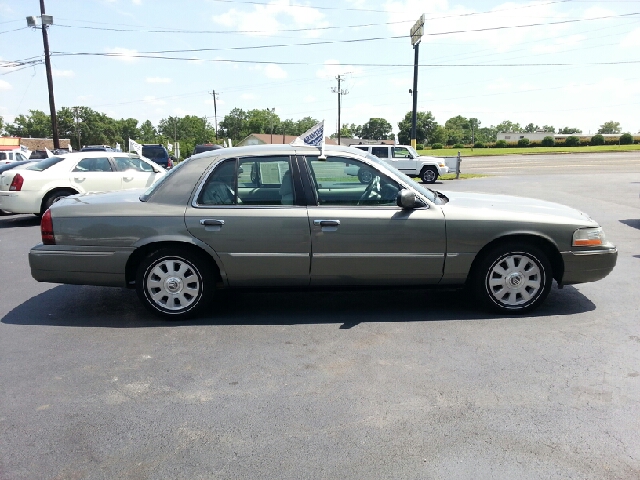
(53, 191)
(144, 250)
(543, 243)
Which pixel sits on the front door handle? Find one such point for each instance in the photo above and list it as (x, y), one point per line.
(212, 224)
(326, 223)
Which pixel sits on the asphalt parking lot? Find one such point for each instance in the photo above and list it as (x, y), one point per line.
(354, 384)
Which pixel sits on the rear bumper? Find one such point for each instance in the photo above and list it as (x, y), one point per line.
(79, 265)
(588, 266)
(17, 202)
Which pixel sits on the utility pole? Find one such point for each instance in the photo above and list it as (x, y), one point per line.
(215, 111)
(340, 93)
(271, 114)
(416, 35)
(75, 114)
(44, 20)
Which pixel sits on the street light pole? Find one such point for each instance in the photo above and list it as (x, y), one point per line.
(44, 21)
(340, 93)
(416, 35)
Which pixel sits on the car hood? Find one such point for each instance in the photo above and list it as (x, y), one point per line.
(518, 208)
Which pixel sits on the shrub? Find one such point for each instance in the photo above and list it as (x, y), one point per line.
(597, 140)
(572, 141)
(584, 142)
(523, 142)
(458, 145)
(437, 146)
(419, 146)
(548, 141)
(501, 144)
(626, 139)
(479, 145)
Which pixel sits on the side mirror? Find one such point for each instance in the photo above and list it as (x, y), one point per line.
(406, 199)
(411, 156)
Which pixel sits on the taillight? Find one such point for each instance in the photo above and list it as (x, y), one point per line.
(169, 164)
(16, 184)
(46, 229)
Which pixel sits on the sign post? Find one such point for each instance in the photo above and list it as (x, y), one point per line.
(416, 35)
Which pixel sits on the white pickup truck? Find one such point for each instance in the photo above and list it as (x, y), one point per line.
(407, 160)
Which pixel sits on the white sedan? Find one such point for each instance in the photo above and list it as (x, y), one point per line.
(33, 188)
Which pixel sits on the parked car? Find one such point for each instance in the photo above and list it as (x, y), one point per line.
(12, 157)
(302, 221)
(10, 166)
(98, 148)
(157, 153)
(407, 160)
(206, 147)
(35, 187)
(39, 155)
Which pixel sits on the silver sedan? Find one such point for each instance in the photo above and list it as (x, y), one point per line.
(282, 215)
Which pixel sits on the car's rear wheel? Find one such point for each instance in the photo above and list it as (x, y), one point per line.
(175, 283)
(429, 175)
(513, 278)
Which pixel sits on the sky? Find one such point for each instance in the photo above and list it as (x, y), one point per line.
(566, 63)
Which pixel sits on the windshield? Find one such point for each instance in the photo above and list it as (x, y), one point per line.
(44, 164)
(149, 191)
(412, 183)
(412, 151)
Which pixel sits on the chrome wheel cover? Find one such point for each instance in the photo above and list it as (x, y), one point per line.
(173, 284)
(515, 279)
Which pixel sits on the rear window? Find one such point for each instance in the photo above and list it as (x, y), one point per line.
(154, 153)
(44, 164)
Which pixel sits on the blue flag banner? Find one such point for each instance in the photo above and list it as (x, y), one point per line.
(314, 136)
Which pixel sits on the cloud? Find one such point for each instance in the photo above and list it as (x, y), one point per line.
(274, 71)
(248, 96)
(4, 85)
(153, 100)
(271, 18)
(63, 73)
(632, 39)
(158, 80)
(123, 54)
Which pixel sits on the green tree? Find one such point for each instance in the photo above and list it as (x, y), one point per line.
(37, 125)
(531, 128)
(610, 127)
(147, 133)
(376, 129)
(626, 139)
(1, 125)
(508, 126)
(458, 129)
(304, 124)
(234, 125)
(569, 131)
(549, 128)
(486, 134)
(425, 128)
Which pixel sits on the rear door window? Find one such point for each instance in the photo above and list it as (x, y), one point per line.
(380, 152)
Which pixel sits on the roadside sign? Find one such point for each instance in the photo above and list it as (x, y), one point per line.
(417, 31)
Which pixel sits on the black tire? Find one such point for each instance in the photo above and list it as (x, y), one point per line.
(175, 283)
(513, 278)
(429, 175)
(365, 176)
(53, 197)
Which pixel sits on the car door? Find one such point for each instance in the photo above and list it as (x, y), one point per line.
(95, 174)
(136, 173)
(251, 211)
(360, 236)
(403, 160)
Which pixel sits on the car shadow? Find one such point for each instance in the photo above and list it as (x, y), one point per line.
(634, 222)
(86, 306)
(13, 221)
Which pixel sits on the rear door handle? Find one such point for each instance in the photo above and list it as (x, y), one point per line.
(326, 223)
(211, 224)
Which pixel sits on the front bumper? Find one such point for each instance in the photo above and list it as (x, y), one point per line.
(588, 265)
(442, 170)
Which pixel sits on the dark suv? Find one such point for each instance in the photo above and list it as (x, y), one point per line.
(158, 154)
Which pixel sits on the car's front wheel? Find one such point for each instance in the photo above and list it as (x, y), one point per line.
(175, 283)
(429, 175)
(513, 278)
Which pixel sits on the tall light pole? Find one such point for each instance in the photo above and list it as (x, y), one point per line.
(416, 35)
(340, 93)
(75, 114)
(44, 20)
(271, 114)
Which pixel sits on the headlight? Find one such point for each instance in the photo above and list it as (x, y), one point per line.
(588, 237)
(441, 164)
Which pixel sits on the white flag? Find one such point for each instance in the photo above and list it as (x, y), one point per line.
(135, 146)
(49, 154)
(118, 149)
(230, 143)
(178, 150)
(170, 147)
(314, 137)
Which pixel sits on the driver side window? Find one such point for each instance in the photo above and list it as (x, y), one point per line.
(348, 182)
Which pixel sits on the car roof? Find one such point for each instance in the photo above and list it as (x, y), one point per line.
(277, 149)
(93, 154)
